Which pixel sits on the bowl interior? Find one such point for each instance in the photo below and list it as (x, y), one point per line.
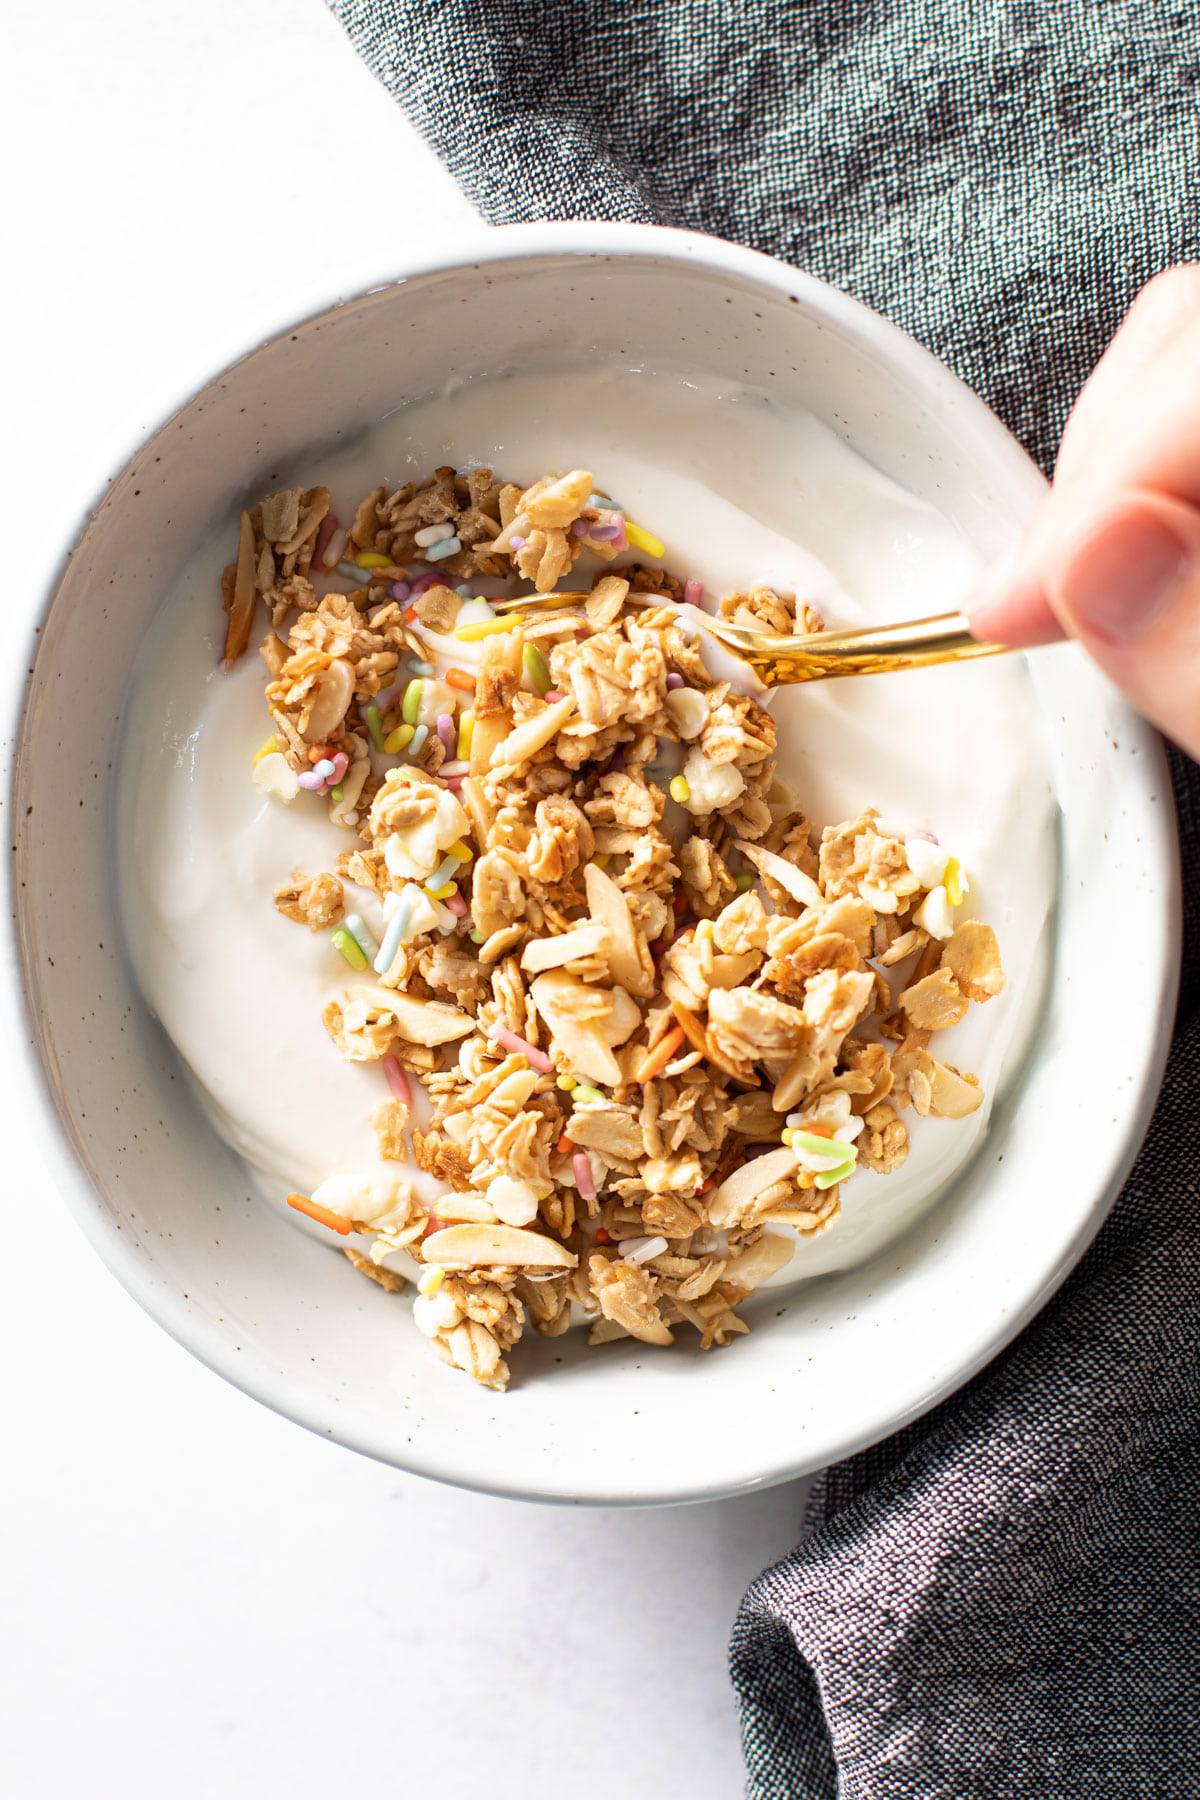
(828, 1367)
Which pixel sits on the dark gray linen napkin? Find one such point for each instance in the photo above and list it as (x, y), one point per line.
(1002, 1601)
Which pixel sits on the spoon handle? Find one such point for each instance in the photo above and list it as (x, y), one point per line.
(913, 644)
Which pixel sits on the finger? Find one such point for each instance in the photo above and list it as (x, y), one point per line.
(1126, 584)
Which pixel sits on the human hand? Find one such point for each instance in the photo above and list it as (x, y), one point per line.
(1112, 558)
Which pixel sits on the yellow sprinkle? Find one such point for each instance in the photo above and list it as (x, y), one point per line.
(466, 731)
(444, 892)
(679, 790)
(567, 1083)
(642, 540)
(787, 1137)
(265, 749)
(952, 879)
(430, 1281)
(461, 851)
(471, 634)
(371, 559)
(399, 740)
(704, 931)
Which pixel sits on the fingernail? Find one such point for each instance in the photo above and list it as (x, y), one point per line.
(1124, 575)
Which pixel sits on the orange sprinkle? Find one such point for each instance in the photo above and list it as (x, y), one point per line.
(708, 1184)
(660, 1056)
(819, 1131)
(410, 615)
(318, 752)
(602, 1236)
(806, 1178)
(564, 1145)
(321, 1214)
(458, 678)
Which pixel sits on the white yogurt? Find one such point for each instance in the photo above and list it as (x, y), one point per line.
(739, 493)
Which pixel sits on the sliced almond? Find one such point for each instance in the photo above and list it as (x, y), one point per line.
(533, 736)
(486, 1246)
(751, 1264)
(560, 502)
(629, 963)
(424, 1021)
(953, 1095)
(792, 880)
(331, 701)
(727, 1203)
(580, 1041)
(622, 1019)
(485, 736)
(553, 952)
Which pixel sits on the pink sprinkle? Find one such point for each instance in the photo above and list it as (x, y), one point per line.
(553, 694)
(341, 762)
(621, 541)
(674, 680)
(400, 590)
(583, 1175)
(518, 1046)
(397, 1080)
(389, 697)
(457, 905)
(579, 528)
(311, 781)
(517, 543)
(325, 531)
(447, 730)
(454, 782)
(693, 591)
(423, 586)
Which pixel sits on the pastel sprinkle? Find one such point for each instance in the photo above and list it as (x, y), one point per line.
(325, 531)
(441, 893)
(345, 946)
(471, 634)
(397, 925)
(585, 1092)
(325, 769)
(454, 782)
(516, 543)
(461, 852)
(445, 871)
(341, 763)
(337, 794)
(602, 504)
(401, 591)
(567, 1083)
(430, 534)
(457, 905)
(519, 1046)
(537, 669)
(449, 770)
(582, 1167)
(354, 573)
(475, 935)
(830, 1177)
(418, 740)
(458, 678)
(553, 694)
(373, 559)
(674, 680)
(823, 1146)
(952, 880)
(743, 882)
(608, 533)
(430, 1281)
(335, 547)
(310, 781)
(375, 727)
(464, 588)
(466, 731)
(679, 790)
(446, 730)
(265, 749)
(579, 528)
(439, 552)
(398, 740)
(353, 923)
(412, 701)
(643, 540)
(422, 668)
(693, 591)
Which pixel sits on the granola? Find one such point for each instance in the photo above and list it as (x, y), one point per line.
(639, 1021)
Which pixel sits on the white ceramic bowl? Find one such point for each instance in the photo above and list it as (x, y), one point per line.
(835, 1364)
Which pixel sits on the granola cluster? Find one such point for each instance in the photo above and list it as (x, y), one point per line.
(639, 1020)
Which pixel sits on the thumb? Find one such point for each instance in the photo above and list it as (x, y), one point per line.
(1125, 582)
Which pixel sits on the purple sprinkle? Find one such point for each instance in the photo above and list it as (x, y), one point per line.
(607, 534)
(579, 528)
(311, 781)
(517, 543)
(400, 590)
(674, 680)
(446, 730)
(389, 697)
(422, 585)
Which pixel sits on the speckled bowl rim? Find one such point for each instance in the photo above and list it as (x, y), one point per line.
(479, 250)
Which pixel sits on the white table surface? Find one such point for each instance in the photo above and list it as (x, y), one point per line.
(178, 1617)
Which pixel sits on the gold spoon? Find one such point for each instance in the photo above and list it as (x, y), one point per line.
(778, 658)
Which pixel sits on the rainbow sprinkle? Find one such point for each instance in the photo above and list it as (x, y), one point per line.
(537, 669)
(346, 946)
(439, 552)
(519, 1046)
(679, 790)
(412, 702)
(446, 731)
(375, 727)
(266, 749)
(398, 740)
(472, 634)
(353, 923)
(466, 731)
(393, 936)
(643, 540)
(397, 1080)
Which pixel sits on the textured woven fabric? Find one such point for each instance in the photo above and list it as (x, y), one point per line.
(1002, 1602)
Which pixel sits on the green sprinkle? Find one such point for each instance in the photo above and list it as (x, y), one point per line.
(537, 669)
(337, 794)
(345, 946)
(830, 1177)
(475, 935)
(743, 882)
(412, 701)
(375, 727)
(822, 1146)
(584, 1092)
